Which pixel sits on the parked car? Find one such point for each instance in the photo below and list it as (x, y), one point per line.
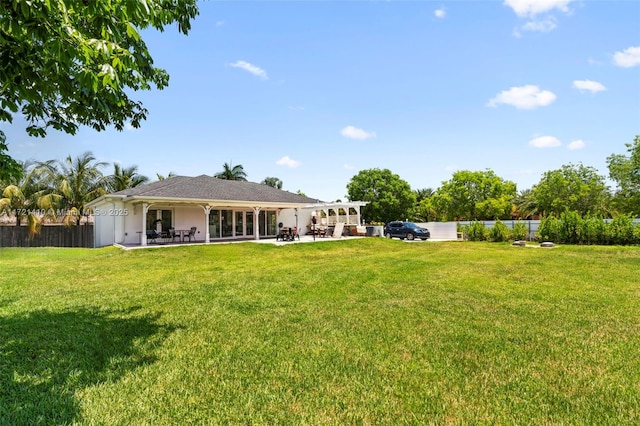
(408, 230)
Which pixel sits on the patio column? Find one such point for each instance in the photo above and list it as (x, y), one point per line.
(207, 211)
(256, 222)
(143, 236)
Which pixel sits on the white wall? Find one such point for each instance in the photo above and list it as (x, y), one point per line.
(441, 230)
(288, 219)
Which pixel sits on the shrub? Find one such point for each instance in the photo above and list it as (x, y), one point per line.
(500, 232)
(620, 230)
(520, 231)
(477, 232)
(636, 234)
(549, 229)
(570, 224)
(593, 230)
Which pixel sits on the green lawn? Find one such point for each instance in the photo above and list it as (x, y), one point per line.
(366, 331)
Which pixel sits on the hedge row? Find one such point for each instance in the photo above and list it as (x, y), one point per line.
(569, 228)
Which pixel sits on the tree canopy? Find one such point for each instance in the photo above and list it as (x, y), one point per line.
(390, 198)
(10, 169)
(573, 187)
(474, 196)
(625, 171)
(65, 63)
(273, 182)
(231, 172)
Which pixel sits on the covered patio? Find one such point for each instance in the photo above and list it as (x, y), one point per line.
(205, 209)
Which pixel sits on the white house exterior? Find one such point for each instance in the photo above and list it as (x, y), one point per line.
(219, 210)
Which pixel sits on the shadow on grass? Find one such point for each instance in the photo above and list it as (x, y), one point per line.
(45, 357)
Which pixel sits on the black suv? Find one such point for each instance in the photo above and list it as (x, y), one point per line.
(408, 230)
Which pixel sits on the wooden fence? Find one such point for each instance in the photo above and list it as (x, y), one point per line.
(49, 236)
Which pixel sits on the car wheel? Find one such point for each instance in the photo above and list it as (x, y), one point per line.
(388, 235)
(410, 236)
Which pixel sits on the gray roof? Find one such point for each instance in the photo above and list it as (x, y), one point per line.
(205, 187)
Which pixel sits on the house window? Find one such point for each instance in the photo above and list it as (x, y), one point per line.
(159, 220)
(239, 224)
(249, 223)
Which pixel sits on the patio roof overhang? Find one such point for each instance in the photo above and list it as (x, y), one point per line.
(195, 201)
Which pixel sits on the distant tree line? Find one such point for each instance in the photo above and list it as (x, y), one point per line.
(58, 191)
(482, 195)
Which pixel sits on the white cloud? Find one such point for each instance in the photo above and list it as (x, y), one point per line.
(352, 132)
(577, 144)
(451, 168)
(257, 71)
(588, 86)
(523, 97)
(535, 7)
(219, 23)
(545, 142)
(440, 13)
(628, 58)
(348, 167)
(543, 26)
(286, 161)
(129, 127)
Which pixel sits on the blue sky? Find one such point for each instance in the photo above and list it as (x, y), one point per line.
(312, 92)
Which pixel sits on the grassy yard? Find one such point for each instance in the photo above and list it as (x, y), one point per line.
(367, 331)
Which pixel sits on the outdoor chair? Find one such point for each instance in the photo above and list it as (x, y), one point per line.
(171, 235)
(337, 231)
(152, 236)
(191, 234)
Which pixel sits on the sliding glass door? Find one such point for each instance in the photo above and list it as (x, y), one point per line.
(239, 223)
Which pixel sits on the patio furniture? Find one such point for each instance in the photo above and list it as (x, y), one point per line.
(152, 236)
(190, 234)
(337, 231)
(170, 235)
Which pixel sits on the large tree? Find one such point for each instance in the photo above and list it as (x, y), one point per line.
(76, 182)
(625, 171)
(25, 198)
(10, 169)
(65, 63)
(70, 62)
(474, 195)
(390, 198)
(273, 182)
(231, 172)
(124, 178)
(573, 187)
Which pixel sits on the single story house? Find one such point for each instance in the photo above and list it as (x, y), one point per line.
(218, 209)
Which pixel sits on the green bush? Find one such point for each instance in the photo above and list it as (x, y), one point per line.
(570, 224)
(500, 232)
(593, 230)
(477, 232)
(620, 230)
(636, 234)
(549, 229)
(520, 231)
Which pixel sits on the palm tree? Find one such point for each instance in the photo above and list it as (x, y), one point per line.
(125, 178)
(24, 197)
(162, 177)
(423, 193)
(232, 173)
(273, 182)
(76, 182)
(525, 204)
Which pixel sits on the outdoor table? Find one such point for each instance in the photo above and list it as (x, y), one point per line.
(180, 233)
